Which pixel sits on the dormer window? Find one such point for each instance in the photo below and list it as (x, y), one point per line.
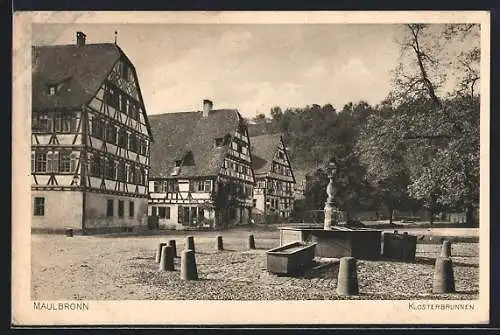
(52, 90)
(175, 171)
(219, 142)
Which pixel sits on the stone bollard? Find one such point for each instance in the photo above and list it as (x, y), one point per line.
(218, 243)
(444, 279)
(188, 265)
(347, 281)
(174, 247)
(251, 242)
(446, 249)
(189, 244)
(167, 258)
(158, 252)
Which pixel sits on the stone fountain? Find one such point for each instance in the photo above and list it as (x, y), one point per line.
(337, 238)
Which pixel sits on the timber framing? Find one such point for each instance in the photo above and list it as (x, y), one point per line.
(66, 155)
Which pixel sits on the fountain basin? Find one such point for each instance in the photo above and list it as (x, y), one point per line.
(340, 241)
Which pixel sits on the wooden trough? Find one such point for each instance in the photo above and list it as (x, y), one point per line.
(291, 258)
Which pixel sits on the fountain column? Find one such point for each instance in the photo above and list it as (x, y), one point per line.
(330, 217)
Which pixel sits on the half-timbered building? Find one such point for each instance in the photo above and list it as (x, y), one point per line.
(201, 169)
(274, 178)
(90, 139)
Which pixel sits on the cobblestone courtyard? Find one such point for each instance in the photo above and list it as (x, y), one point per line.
(118, 268)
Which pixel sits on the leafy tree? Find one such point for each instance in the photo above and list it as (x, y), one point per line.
(381, 151)
(276, 114)
(444, 130)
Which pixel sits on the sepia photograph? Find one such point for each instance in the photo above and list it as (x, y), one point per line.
(251, 162)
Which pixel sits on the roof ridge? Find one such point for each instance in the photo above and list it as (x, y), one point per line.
(196, 111)
(72, 45)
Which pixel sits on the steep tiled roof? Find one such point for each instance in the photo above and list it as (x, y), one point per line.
(80, 70)
(77, 70)
(263, 148)
(177, 134)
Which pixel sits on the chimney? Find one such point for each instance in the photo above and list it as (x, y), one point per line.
(80, 38)
(207, 106)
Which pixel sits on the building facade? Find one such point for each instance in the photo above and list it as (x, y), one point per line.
(90, 139)
(201, 169)
(274, 188)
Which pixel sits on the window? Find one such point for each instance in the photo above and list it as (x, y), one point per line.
(109, 210)
(131, 209)
(111, 96)
(122, 138)
(41, 162)
(122, 174)
(110, 172)
(111, 133)
(120, 208)
(65, 123)
(39, 208)
(133, 142)
(53, 162)
(161, 212)
(124, 70)
(133, 110)
(204, 186)
(180, 214)
(144, 147)
(67, 162)
(97, 128)
(154, 211)
(51, 90)
(96, 165)
(142, 176)
(219, 142)
(41, 122)
(131, 174)
(170, 187)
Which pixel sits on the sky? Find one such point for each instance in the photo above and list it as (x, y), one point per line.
(250, 67)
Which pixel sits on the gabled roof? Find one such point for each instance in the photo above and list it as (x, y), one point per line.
(77, 70)
(177, 134)
(80, 70)
(264, 148)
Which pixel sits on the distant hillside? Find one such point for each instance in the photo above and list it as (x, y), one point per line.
(313, 134)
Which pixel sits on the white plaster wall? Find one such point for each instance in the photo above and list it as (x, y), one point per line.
(63, 209)
(96, 211)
